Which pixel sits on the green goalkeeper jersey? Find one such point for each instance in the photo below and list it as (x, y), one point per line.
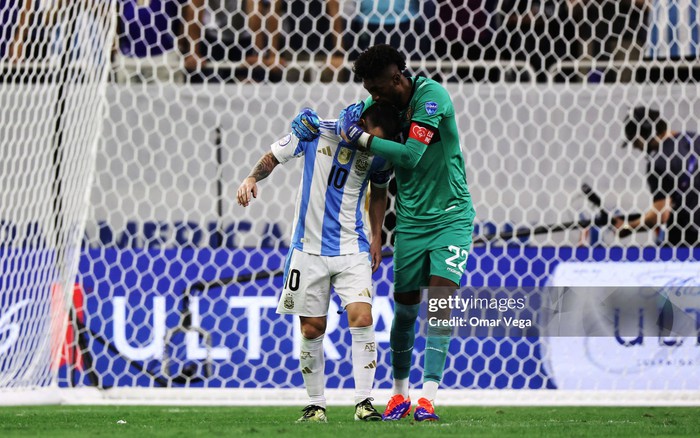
(429, 167)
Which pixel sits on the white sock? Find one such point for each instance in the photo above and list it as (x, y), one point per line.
(430, 390)
(364, 360)
(401, 387)
(312, 363)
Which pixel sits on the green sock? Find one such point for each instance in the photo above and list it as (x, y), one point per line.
(436, 346)
(403, 335)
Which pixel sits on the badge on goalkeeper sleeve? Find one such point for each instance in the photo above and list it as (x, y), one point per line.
(306, 125)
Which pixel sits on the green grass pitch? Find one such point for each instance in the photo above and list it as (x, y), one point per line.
(165, 421)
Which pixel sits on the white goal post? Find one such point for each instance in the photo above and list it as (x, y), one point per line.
(130, 274)
(55, 66)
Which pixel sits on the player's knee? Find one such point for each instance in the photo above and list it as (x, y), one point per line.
(437, 281)
(312, 328)
(407, 298)
(311, 332)
(363, 319)
(359, 314)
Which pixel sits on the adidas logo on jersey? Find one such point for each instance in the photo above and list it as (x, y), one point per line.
(325, 151)
(371, 365)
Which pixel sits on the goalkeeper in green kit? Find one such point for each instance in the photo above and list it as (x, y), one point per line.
(434, 210)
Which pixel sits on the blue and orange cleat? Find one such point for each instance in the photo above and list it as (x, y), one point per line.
(425, 411)
(397, 408)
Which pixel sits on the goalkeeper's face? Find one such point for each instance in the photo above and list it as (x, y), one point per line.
(386, 87)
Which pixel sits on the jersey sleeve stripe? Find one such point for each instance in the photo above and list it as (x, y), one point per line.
(307, 179)
(331, 125)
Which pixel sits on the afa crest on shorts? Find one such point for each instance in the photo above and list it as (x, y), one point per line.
(288, 302)
(344, 155)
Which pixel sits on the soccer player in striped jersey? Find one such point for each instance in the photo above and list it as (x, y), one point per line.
(331, 246)
(434, 212)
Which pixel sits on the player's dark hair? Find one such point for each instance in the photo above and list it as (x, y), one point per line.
(374, 61)
(645, 123)
(386, 116)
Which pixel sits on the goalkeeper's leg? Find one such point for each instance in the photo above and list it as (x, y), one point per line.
(448, 252)
(436, 347)
(311, 362)
(402, 338)
(410, 273)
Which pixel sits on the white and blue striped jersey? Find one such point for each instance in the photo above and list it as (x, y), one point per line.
(330, 205)
(674, 29)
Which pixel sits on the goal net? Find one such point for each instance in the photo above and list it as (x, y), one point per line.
(55, 64)
(158, 279)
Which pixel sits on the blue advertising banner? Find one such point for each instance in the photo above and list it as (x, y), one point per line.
(196, 317)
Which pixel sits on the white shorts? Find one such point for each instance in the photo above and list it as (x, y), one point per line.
(308, 279)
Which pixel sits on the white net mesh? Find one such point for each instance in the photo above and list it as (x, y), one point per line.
(55, 68)
(177, 285)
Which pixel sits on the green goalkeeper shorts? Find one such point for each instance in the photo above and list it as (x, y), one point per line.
(422, 252)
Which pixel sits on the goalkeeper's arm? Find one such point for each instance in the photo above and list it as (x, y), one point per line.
(404, 155)
(249, 188)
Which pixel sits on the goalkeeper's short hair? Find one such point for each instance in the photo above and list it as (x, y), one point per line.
(384, 115)
(374, 61)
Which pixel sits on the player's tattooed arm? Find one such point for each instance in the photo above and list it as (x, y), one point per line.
(264, 167)
(249, 187)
